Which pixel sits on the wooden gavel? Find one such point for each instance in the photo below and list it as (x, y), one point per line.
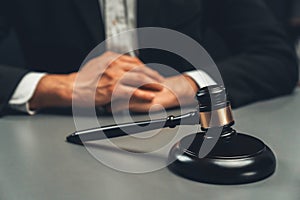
(207, 116)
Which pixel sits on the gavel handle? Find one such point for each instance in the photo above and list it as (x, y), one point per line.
(120, 130)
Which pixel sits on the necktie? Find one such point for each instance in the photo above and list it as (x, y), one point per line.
(119, 17)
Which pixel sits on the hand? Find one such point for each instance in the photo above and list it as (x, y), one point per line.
(96, 82)
(178, 91)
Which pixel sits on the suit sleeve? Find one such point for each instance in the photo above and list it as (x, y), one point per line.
(9, 76)
(263, 64)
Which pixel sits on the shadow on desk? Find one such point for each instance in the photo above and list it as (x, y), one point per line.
(67, 111)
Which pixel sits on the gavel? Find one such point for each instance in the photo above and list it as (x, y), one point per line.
(217, 154)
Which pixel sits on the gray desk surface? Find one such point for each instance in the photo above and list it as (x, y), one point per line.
(36, 162)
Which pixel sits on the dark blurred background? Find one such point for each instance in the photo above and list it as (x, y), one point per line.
(286, 11)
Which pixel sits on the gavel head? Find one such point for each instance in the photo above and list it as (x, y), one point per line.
(214, 108)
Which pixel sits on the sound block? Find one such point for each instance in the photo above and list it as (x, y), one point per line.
(235, 159)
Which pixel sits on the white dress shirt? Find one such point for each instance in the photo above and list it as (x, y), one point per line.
(24, 92)
(119, 16)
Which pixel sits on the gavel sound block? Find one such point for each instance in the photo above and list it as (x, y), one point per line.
(236, 158)
(233, 158)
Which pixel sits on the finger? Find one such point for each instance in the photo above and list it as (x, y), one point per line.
(131, 59)
(149, 72)
(134, 105)
(145, 108)
(97, 65)
(117, 106)
(152, 86)
(129, 63)
(139, 64)
(137, 106)
(127, 92)
(141, 80)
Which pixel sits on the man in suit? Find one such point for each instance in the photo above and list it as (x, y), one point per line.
(257, 61)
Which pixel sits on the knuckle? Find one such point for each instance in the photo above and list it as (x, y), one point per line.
(136, 68)
(109, 74)
(115, 63)
(142, 77)
(137, 93)
(125, 57)
(118, 62)
(110, 64)
(137, 60)
(127, 68)
(110, 89)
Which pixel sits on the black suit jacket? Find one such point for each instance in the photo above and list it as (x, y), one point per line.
(256, 63)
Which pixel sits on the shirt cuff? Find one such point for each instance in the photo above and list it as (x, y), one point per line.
(201, 78)
(24, 91)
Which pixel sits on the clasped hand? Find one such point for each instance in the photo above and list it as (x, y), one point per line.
(114, 78)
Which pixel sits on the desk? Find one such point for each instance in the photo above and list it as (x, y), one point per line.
(37, 164)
